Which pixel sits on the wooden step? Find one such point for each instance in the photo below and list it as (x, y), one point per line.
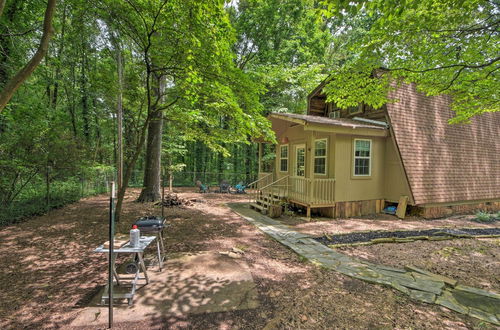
(273, 192)
(271, 199)
(268, 201)
(262, 202)
(258, 207)
(274, 195)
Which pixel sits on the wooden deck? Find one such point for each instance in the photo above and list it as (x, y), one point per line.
(309, 193)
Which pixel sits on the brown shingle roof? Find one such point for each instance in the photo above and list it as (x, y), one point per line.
(443, 162)
(345, 122)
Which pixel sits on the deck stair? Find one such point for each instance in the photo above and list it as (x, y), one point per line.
(270, 196)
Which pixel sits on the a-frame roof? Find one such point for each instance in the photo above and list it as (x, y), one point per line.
(445, 163)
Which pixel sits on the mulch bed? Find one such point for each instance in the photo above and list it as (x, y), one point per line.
(363, 237)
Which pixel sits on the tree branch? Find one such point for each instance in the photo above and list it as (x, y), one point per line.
(2, 6)
(455, 76)
(458, 65)
(19, 34)
(15, 82)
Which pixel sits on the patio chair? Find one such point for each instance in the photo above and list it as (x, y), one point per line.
(224, 187)
(203, 188)
(240, 188)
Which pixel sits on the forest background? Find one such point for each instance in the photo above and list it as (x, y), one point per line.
(192, 82)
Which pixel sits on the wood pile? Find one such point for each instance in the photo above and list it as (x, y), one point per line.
(171, 200)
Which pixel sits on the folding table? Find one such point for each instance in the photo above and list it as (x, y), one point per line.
(138, 253)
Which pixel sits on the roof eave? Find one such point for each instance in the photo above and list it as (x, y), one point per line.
(377, 132)
(286, 118)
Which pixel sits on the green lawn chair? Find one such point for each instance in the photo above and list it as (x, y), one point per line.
(203, 188)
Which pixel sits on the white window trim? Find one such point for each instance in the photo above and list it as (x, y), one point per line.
(325, 156)
(287, 158)
(361, 157)
(300, 146)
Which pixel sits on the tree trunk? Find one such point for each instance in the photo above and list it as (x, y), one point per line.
(55, 92)
(15, 82)
(6, 42)
(152, 172)
(2, 6)
(170, 175)
(220, 167)
(119, 112)
(248, 162)
(84, 94)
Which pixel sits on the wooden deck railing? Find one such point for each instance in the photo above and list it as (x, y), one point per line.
(279, 187)
(323, 191)
(264, 179)
(299, 189)
(312, 192)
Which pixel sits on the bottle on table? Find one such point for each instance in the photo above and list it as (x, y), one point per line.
(135, 235)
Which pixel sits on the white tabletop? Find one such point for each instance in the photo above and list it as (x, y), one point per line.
(144, 241)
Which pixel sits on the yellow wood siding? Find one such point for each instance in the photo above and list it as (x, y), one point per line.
(387, 180)
(395, 184)
(296, 136)
(349, 187)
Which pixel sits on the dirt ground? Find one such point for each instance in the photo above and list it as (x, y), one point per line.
(474, 262)
(49, 271)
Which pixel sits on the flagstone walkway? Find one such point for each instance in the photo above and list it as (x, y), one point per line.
(417, 283)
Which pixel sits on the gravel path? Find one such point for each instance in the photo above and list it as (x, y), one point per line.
(368, 236)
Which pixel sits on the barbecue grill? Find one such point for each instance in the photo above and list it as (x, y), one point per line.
(154, 225)
(150, 224)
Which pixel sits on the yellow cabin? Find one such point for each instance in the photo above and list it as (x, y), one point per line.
(353, 162)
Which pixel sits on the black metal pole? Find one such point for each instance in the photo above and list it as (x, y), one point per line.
(111, 249)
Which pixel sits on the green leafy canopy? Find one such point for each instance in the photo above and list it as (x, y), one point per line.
(445, 47)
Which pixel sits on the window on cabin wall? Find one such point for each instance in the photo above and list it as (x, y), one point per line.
(284, 158)
(334, 114)
(355, 109)
(320, 156)
(300, 160)
(362, 157)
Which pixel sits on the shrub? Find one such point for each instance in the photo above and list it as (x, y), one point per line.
(483, 217)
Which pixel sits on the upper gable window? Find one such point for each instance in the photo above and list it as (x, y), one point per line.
(334, 114)
(362, 157)
(355, 109)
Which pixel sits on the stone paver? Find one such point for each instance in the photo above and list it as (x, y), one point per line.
(419, 284)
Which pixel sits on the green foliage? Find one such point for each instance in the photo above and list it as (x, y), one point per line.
(64, 187)
(282, 45)
(288, 86)
(485, 217)
(445, 47)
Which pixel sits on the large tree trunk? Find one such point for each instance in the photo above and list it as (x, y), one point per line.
(152, 172)
(15, 82)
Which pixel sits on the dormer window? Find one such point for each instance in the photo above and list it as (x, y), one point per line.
(355, 109)
(334, 114)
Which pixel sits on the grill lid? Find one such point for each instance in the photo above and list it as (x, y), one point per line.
(150, 224)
